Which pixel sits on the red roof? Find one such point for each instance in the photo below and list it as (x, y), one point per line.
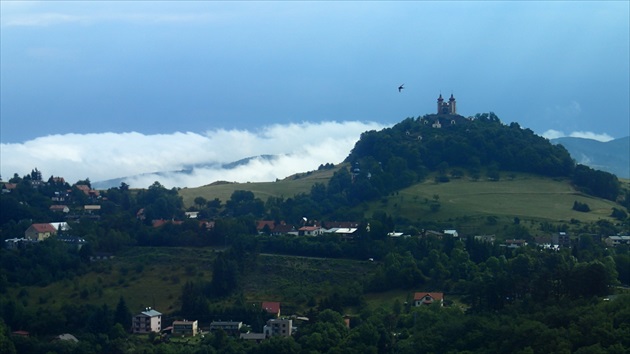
(434, 296)
(44, 228)
(262, 223)
(271, 307)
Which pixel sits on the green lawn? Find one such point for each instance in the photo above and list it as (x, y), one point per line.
(525, 196)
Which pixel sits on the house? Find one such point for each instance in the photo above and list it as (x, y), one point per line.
(271, 307)
(15, 243)
(262, 225)
(91, 208)
(59, 208)
(485, 238)
(78, 242)
(92, 193)
(67, 337)
(229, 327)
(254, 337)
(60, 226)
(515, 243)
(432, 233)
(8, 187)
(147, 321)
(192, 214)
(340, 224)
(451, 232)
(273, 228)
(345, 233)
(420, 299)
(40, 232)
(614, 241)
(185, 328)
(561, 239)
(284, 229)
(310, 231)
(278, 327)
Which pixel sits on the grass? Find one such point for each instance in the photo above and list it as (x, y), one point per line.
(288, 187)
(147, 276)
(143, 276)
(525, 196)
(528, 197)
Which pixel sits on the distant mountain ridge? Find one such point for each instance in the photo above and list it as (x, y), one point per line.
(611, 156)
(115, 182)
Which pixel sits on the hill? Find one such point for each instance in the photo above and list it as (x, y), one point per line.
(611, 156)
(439, 167)
(288, 187)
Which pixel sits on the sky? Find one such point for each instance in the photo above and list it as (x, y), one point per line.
(103, 89)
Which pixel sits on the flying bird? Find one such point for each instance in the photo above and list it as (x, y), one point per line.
(400, 88)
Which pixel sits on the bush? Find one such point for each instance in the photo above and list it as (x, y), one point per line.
(583, 207)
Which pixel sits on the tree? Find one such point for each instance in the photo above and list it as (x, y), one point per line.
(122, 315)
(200, 202)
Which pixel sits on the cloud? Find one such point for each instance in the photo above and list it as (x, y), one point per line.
(300, 148)
(554, 134)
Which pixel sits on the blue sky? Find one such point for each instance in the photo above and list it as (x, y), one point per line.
(84, 72)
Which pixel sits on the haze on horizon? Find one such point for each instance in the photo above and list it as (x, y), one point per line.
(114, 81)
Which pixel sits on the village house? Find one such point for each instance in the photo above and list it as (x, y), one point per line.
(561, 239)
(92, 208)
(515, 243)
(253, 337)
(15, 243)
(614, 241)
(229, 327)
(420, 299)
(185, 328)
(8, 187)
(59, 208)
(453, 233)
(40, 232)
(345, 233)
(485, 238)
(271, 307)
(278, 327)
(147, 321)
(310, 231)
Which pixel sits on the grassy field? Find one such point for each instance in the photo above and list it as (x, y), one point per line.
(288, 187)
(528, 197)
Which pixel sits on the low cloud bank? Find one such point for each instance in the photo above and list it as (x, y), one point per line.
(554, 134)
(103, 156)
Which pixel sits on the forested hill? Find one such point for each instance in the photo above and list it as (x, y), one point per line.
(453, 145)
(417, 145)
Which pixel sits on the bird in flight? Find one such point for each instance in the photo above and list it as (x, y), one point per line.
(400, 88)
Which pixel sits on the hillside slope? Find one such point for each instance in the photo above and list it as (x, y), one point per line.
(611, 156)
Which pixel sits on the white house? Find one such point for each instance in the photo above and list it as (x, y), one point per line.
(147, 321)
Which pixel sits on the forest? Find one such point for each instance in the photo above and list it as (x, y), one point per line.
(497, 299)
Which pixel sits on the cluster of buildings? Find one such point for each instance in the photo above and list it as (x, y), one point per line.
(150, 320)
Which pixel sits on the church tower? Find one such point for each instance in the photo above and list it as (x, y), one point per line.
(446, 107)
(451, 105)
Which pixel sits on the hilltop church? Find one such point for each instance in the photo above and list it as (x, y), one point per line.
(449, 107)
